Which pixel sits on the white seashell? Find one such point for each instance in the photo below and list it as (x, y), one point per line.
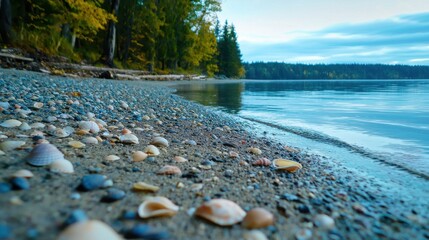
(38, 125)
(38, 105)
(89, 126)
(69, 130)
(254, 235)
(180, 159)
(169, 170)
(142, 186)
(112, 158)
(76, 144)
(323, 221)
(62, 166)
(254, 150)
(11, 123)
(23, 173)
(51, 128)
(101, 122)
(90, 140)
(139, 156)
(129, 139)
(2, 153)
(151, 150)
(61, 133)
(159, 142)
(11, 145)
(222, 212)
(44, 154)
(157, 207)
(24, 127)
(89, 230)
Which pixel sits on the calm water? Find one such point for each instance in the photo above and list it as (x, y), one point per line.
(366, 125)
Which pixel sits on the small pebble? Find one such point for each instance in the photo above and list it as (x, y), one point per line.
(113, 195)
(77, 215)
(129, 215)
(5, 187)
(146, 232)
(289, 197)
(75, 196)
(323, 221)
(303, 234)
(32, 233)
(5, 231)
(20, 183)
(92, 181)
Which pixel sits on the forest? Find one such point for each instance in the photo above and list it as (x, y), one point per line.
(161, 36)
(278, 70)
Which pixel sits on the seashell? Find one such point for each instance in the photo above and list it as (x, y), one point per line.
(262, 162)
(90, 140)
(146, 117)
(113, 195)
(157, 207)
(124, 105)
(59, 132)
(125, 131)
(159, 142)
(169, 170)
(233, 154)
(254, 235)
(323, 221)
(76, 144)
(37, 125)
(24, 127)
(4, 105)
(11, 123)
(288, 165)
(91, 229)
(44, 154)
(180, 159)
(139, 156)
(142, 186)
(24, 173)
(112, 158)
(38, 105)
(129, 139)
(258, 218)
(92, 181)
(222, 212)
(254, 150)
(62, 166)
(196, 187)
(69, 130)
(101, 122)
(90, 126)
(11, 145)
(151, 150)
(51, 128)
(82, 132)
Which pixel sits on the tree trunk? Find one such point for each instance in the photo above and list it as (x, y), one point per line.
(109, 45)
(5, 20)
(127, 45)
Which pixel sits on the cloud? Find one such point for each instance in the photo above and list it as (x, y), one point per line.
(402, 39)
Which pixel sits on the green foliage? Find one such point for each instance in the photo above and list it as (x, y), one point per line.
(229, 53)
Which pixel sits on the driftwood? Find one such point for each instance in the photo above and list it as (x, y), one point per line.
(7, 55)
(78, 67)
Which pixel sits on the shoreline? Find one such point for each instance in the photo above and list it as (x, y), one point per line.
(294, 198)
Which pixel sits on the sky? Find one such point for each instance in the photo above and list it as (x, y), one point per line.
(331, 31)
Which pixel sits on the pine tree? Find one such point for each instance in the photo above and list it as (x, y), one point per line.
(230, 64)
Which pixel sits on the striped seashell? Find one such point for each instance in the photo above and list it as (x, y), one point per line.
(44, 154)
(222, 212)
(157, 207)
(262, 162)
(62, 166)
(11, 123)
(89, 126)
(169, 170)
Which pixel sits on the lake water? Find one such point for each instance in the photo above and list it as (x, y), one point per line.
(377, 127)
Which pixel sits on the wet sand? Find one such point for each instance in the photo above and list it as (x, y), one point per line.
(360, 209)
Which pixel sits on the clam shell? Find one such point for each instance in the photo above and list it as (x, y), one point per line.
(90, 126)
(254, 150)
(90, 140)
(38, 105)
(288, 165)
(262, 162)
(139, 156)
(86, 230)
(24, 127)
(151, 150)
(11, 145)
(129, 139)
(254, 235)
(142, 186)
(157, 207)
(125, 131)
(37, 125)
(76, 144)
(62, 166)
(180, 159)
(159, 142)
(169, 170)
(258, 218)
(24, 173)
(11, 123)
(61, 133)
(222, 212)
(323, 221)
(44, 154)
(112, 158)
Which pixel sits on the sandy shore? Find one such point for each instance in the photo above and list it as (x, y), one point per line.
(359, 209)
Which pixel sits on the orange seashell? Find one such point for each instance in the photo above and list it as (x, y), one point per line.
(262, 162)
(258, 218)
(92, 229)
(125, 131)
(222, 212)
(288, 165)
(169, 170)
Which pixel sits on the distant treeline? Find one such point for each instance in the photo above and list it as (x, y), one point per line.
(277, 70)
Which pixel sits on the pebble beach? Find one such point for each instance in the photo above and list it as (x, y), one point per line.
(153, 164)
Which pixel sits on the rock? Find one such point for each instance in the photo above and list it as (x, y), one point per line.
(113, 195)
(92, 181)
(20, 183)
(143, 231)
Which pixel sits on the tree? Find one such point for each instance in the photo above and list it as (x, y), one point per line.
(5, 20)
(230, 64)
(110, 40)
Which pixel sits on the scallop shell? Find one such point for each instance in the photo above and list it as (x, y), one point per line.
(139, 156)
(159, 142)
(157, 207)
(44, 154)
(91, 229)
(89, 126)
(142, 186)
(24, 127)
(90, 140)
(288, 165)
(24, 173)
(11, 123)
(112, 158)
(180, 159)
(222, 212)
(262, 162)
(11, 145)
(76, 144)
(151, 150)
(62, 166)
(169, 170)
(254, 150)
(129, 139)
(258, 218)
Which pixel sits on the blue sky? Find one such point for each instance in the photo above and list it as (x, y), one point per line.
(331, 31)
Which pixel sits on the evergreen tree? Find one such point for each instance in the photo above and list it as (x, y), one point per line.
(230, 64)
